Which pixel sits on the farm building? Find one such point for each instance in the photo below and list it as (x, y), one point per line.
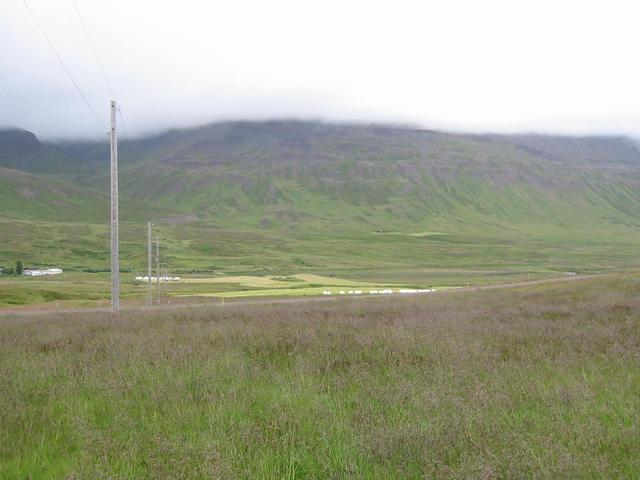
(163, 278)
(37, 272)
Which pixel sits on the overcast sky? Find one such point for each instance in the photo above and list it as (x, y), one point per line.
(545, 65)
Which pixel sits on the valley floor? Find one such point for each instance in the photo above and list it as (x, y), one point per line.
(538, 380)
(87, 291)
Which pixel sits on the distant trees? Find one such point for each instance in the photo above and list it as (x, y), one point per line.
(18, 269)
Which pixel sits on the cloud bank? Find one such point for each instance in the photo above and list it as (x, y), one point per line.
(502, 66)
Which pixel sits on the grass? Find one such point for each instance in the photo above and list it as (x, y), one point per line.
(535, 382)
(69, 288)
(363, 258)
(302, 279)
(93, 289)
(75, 289)
(251, 286)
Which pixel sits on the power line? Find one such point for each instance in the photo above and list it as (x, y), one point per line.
(102, 71)
(126, 134)
(64, 67)
(95, 54)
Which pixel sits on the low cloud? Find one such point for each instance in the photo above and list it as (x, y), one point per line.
(462, 65)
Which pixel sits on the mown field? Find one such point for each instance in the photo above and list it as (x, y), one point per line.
(531, 382)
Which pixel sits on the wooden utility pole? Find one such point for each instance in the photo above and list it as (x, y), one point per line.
(149, 254)
(115, 259)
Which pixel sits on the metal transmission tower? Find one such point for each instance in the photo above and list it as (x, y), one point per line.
(149, 254)
(115, 259)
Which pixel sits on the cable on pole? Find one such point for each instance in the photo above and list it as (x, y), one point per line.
(95, 54)
(64, 67)
(124, 128)
(102, 71)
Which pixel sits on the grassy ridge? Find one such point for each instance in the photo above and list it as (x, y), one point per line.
(535, 382)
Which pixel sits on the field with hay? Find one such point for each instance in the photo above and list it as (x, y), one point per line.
(538, 381)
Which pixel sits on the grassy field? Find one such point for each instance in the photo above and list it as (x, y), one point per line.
(529, 382)
(237, 262)
(82, 289)
(75, 289)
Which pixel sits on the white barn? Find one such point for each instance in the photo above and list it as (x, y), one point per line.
(37, 272)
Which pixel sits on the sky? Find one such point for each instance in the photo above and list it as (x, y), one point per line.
(558, 66)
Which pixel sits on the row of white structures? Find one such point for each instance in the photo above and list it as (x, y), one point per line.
(37, 272)
(162, 279)
(381, 292)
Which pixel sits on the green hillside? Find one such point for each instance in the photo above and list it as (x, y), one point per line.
(286, 174)
(27, 196)
(352, 200)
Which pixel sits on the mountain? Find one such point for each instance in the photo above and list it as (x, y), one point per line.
(273, 194)
(21, 150)
(292, 174)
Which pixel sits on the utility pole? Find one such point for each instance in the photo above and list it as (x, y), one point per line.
(165, 276)
(115, 260)
(149, 248)
(166, 280)
(158, 269)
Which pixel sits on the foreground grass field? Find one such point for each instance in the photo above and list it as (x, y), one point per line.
(535, 382)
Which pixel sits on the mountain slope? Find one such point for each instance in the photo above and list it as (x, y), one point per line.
(21, 150)
(27, 196)
(289, 194)
(300, 174)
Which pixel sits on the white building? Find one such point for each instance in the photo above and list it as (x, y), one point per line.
(37, 272)
(162, 279)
